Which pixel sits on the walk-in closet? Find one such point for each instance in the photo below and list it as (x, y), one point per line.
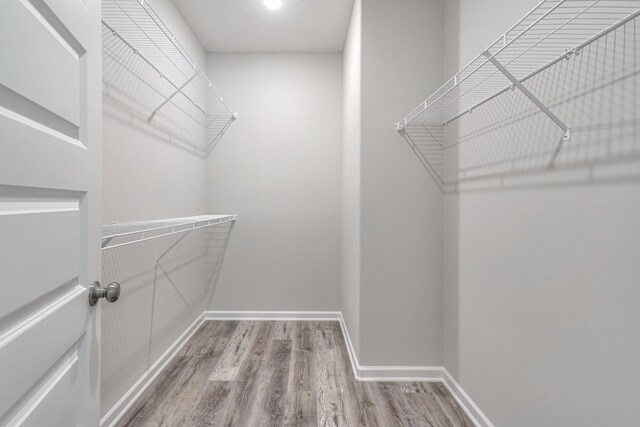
(319, 213)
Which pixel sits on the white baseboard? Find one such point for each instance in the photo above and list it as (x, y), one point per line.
(414, 374)
(272, 315)
(470, 408)
(134, 393)
(388, 373)
(361, 373)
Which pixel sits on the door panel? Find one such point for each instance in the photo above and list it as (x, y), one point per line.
(29, 237)
(45, 150)
(53, 402)
(50, 167)
(32, 346)
(44, 55)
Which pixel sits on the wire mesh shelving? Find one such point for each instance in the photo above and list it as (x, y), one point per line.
(546, 67)
(148, 69)
(118, 235)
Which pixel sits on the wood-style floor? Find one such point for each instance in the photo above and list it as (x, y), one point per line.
(245, 373)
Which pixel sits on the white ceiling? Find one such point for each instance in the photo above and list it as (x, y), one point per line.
(248, 26)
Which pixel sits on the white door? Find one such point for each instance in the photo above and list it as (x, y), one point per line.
(50, 168)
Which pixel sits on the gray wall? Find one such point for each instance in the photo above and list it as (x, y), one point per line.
(542, 306)
(538, 316)
(279, 169)
(148, 175)
(351, 147)
(161, 296)
(401, 295)
(392, 276)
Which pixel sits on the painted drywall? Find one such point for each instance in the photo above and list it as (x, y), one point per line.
(350, 208)
(401, 211)
(279, 168)
(150, 173)
(166, 284)
(541, 303)
(146, 175)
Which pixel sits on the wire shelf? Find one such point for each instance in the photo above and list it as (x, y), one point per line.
(118, 235)
(568, 71)
(552, 31)
(146, 68)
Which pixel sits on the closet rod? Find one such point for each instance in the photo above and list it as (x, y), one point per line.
(175, 226)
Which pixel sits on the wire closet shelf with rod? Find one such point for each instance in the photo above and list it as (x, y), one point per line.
(205, 236)
(520, 103)
(147, 70)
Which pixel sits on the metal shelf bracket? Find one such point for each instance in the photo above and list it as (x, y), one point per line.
(174, 93)
(517, 83)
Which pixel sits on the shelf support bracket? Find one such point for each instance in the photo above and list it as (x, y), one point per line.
(567, 131)
(173, 94)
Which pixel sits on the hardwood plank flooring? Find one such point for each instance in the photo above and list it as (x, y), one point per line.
(282, 373)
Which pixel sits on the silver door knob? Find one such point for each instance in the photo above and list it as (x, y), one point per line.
(111, 293)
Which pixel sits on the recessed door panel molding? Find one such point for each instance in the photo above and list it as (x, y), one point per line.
(30, 346)
(47, 153)
(53, 399)
(46, 65)
(30, 239)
